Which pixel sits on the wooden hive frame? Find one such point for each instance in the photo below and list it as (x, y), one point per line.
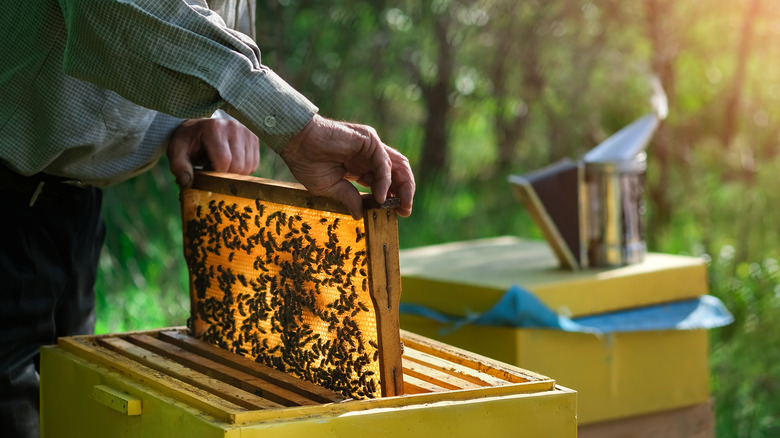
(268, 281)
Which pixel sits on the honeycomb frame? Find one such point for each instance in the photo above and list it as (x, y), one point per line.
(292, 281)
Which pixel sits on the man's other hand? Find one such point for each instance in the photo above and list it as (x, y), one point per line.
(224, 143)
(326, 155)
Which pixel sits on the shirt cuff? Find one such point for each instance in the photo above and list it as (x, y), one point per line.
(273, 110)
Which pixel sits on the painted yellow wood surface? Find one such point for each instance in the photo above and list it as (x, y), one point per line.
(202, 400)
(473, 275)
(185, 384)
(67, 409)
(615, 376)
(67, 380)
(116, 400)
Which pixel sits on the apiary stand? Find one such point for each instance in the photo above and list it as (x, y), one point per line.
(165, 383)
(619, 377)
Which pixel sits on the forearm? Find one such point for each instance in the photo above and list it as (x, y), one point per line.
(180, 59)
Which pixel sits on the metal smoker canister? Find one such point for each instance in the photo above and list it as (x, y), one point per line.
(615, 212)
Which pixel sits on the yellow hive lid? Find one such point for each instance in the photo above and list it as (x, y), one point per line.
(472, 276)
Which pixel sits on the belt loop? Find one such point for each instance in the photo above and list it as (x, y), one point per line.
(36, 193)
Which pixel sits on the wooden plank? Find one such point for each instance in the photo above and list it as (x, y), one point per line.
(435, 376)
(413, 385)
(211, 404)
(241, 363)
(194, 378)
(280, 192)
(459, 371)
(471, 360)
(384, 278)
(221, 372)
(117, 400)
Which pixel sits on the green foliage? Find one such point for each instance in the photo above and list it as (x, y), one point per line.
(531, 82)
(142, 282)
(745, 362)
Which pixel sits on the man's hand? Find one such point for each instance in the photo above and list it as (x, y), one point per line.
(326, 155)
(226, 144)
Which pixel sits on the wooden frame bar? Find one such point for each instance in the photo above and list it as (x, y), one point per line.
(385, 289)
(250, 367)
(280, 192)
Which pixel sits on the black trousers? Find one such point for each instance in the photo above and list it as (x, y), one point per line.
(49, 253)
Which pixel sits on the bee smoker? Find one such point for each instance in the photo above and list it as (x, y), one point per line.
(592, 211)
(615, 184)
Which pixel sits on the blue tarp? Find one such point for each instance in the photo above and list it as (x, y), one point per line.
(520, 308)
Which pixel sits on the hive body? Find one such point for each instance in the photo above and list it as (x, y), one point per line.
(187, 387)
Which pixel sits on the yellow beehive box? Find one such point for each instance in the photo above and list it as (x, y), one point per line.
(616, 375)
(165, 383)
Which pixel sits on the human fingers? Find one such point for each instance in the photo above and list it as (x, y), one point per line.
(327, 154)
(403, 185)
(244, 146)
(348, 195)
(254, 155)
(217, 150)
(378, 174)
(317, 154)
(182, 146)
(358, 155)
(230, 146)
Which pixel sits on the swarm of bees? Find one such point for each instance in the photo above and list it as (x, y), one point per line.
(284, 285)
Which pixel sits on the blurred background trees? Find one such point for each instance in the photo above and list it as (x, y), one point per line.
(474, 90)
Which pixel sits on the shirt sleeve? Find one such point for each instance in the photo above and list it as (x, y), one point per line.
(178, 57)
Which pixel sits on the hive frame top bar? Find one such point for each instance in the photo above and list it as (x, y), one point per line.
(280, 192)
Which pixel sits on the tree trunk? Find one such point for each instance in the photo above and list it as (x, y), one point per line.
(508, 124)
(662, 64)
(734, 97)
(436, 95)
